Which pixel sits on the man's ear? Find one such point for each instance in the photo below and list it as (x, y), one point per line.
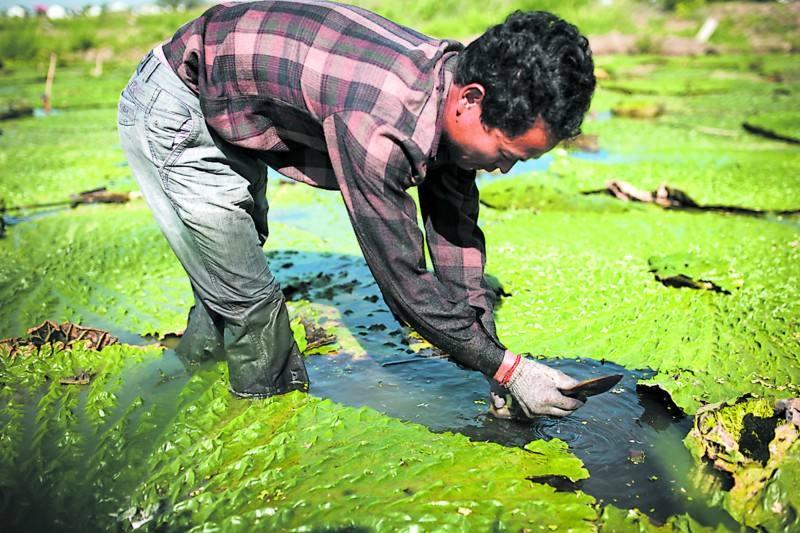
(470, 96)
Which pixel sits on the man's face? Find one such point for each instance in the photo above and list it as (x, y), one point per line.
(473, 146)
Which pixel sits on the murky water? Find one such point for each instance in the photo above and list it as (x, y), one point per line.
(630, 440)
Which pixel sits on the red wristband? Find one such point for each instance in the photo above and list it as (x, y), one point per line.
(507, 367)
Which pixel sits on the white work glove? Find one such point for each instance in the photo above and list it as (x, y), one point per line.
(535, 387)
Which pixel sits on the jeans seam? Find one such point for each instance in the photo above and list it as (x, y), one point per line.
(146, 118)
(212, 276)
(179, 149)
(255, 340)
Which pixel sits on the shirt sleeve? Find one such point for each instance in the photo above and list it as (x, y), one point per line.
(449, 202)
(373, 171)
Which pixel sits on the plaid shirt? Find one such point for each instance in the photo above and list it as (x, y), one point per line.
(340, 98)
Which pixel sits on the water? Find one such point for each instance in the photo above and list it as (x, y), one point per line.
(541, 164)
(629, 439)
(544, 163)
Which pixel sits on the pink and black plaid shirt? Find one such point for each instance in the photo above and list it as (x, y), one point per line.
(341, 98)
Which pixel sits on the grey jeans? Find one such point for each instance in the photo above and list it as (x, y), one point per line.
(209, 199)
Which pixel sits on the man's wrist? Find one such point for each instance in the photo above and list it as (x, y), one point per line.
(507, 367)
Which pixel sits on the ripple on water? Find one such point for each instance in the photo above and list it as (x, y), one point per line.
(629, 440)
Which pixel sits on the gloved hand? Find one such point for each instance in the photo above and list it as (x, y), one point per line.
(535, 387)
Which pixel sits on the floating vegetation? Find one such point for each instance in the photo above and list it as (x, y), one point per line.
(615, 519)
(641, 110)
(312, 339)
(130, 438)
(781, 126)
(592, 295)
(107, 266)
(751, 443)
(689, 270)
(183, 453)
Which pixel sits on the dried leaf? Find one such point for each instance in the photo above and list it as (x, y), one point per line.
(66, 334)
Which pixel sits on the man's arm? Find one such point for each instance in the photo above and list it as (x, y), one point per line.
(449, 203)
(373, 173)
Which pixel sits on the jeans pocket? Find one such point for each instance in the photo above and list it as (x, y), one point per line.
(126, 112)
(170, 126)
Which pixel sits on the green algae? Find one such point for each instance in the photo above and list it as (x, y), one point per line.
(699, 272)
(311, 338)
(186, 454)
(67, 447)
(583, 269)
(102, 265)
(294, 461)
(614, 519)
(47, 159)
(747, 441)
(582, 287)
(546, 193)
(699, 144)
(783, 125)
(578, 268)
(676, 80)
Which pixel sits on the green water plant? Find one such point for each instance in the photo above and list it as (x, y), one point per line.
(583, 286)
(614, 519)
(778, 125)
(183, 453)
(757, 452)
(102, 265)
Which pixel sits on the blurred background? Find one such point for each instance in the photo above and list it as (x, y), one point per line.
(122, 30)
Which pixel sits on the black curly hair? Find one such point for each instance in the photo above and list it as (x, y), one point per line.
(534, 64)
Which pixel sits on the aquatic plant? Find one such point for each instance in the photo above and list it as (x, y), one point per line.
(593, 295)
(145, 439)
(755, 453)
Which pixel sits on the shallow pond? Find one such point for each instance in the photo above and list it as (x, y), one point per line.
(630, 440)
